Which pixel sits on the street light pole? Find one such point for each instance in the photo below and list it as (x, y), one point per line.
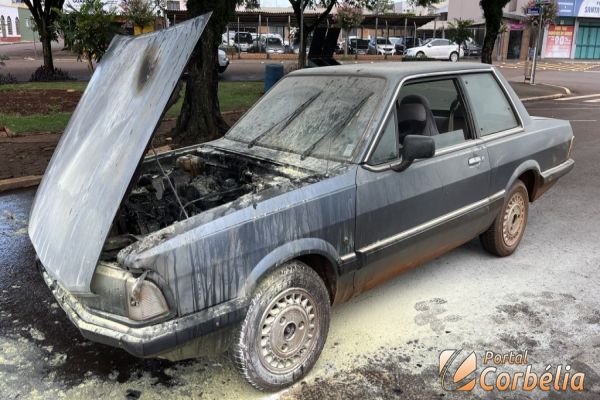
(301, 49)
(535, 49)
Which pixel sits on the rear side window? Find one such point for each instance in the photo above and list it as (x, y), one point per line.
(489, 103)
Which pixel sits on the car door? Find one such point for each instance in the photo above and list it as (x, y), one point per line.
(405, 218)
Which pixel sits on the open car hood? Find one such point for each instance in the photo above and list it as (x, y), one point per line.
(101, 147)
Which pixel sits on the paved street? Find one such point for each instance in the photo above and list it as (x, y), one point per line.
(383, 344)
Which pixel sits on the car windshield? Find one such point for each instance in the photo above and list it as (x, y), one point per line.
(273, 41)
(244, 38)
(320, 116)
(383, 41)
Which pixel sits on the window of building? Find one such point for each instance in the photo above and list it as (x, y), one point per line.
(9, 26)
(17, 27)
(491, 107)
(3, 25)
(173, 5)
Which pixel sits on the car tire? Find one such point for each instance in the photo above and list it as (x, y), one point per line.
(454, 56)
(285, 328)
(420, 55)
(503, 237)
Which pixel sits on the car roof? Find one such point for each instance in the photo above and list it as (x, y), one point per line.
(392, 71)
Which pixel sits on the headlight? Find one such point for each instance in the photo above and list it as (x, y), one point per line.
(146, 301)
(119, 293)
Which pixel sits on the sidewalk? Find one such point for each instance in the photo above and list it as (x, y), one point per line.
(540, 91)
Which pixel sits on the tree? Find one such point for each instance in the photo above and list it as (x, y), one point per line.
(88, 31)
(460, 31)
(200, 118)
(348, 17)
(138, 12)
(492, 12)
(45, 14)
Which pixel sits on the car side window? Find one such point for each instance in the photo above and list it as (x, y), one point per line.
(387, 148)
(433, 108)
(491, 108)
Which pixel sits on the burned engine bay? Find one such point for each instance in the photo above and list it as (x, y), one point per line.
(202, 178)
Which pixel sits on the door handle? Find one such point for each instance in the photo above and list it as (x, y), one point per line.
(475, 160)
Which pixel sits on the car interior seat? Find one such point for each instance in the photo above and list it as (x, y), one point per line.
(415, 117)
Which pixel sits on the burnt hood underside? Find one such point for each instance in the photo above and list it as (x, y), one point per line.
(101, 147)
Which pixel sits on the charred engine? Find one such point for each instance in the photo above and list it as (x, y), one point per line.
(201, 182)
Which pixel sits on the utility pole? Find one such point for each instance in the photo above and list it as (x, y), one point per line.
(301, 56)
(537, 42)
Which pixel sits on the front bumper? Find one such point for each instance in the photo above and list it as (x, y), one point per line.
(147, 341)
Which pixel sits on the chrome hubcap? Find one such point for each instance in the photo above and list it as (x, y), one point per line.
(514, 220)
(288, 329)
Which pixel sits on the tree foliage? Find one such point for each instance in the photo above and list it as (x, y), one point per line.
(138, 12)
(459, 31)
(380, 6)
(89, 30)
(549, 14)
(492, 12)
(44, 14)
(348, 17)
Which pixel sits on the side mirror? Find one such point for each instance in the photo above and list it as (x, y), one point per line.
(414, 147)
(429, 45)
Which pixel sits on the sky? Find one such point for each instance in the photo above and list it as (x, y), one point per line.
(274, 3)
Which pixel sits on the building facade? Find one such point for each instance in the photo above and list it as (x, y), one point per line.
(15, 22)
(10, 28)
(575, 34)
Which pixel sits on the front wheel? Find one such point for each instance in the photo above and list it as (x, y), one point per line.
(505, 234)
(285, 328)
(454, 56)
(420, 55)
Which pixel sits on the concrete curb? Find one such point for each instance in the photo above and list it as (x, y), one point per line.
(21, 182)
(547, 97)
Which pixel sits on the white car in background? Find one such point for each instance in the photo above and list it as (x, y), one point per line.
(442, 49)
(223, 61)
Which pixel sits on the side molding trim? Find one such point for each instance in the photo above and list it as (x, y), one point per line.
(430, 224)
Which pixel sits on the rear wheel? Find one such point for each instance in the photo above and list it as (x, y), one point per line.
(285, 328)
(454, 56)
(505, 234)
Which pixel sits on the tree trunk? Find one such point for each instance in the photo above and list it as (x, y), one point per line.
(200, 119)
(47, 51)
(492, 12)
(302, 51)
(346, 43)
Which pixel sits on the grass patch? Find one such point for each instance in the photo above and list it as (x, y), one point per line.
(232, 96)
(80, 86)
(53, 122)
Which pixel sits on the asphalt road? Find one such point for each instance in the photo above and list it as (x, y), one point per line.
(383, 344)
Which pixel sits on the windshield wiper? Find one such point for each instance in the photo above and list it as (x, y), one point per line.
(339, 128)
(286, 121)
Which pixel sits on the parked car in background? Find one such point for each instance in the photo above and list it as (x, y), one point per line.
(403, 44)
(335, 181)
(358, 46)
(223, 61)
(471, 48)
(267, 44)
(442, 49)
(380, 47)
(242, 41)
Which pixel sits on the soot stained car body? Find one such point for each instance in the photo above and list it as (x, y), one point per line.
(336, 180)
